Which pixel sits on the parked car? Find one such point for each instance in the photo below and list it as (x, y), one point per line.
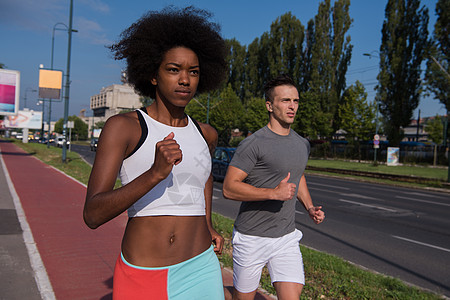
(94, 142)
(59, 142)
(220, 161)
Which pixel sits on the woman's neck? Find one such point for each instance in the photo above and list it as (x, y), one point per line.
(169, 115)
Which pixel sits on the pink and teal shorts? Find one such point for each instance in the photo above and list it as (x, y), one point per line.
(197, 278)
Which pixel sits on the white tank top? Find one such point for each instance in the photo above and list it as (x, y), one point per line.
(182, 192)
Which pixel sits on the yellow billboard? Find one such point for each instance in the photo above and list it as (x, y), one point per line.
(50, 83)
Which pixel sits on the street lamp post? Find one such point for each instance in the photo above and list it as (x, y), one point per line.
(42, 102)
(67, 86)
(55, 27)
(375, 147)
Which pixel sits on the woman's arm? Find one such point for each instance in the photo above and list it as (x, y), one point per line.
(118, 138)
(211, 138)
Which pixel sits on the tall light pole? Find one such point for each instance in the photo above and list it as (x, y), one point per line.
(55, 27)
(376, 137)
(67, 86)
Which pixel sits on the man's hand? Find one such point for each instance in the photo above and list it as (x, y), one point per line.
(316, 214)
(217, 240)
(284, 190)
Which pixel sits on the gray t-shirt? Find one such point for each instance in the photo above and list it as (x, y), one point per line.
(267, 158)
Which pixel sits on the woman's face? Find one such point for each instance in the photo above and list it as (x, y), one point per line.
(178, 76)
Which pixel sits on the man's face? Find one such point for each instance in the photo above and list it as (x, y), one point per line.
(284, 106)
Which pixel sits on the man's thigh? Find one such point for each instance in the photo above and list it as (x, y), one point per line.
(286, 264)
(250, 255)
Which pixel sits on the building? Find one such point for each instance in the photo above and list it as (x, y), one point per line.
(110, 101)
(113, 99)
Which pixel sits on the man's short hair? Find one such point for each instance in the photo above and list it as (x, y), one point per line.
(282, 79)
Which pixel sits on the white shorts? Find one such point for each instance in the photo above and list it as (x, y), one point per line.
(281, 255)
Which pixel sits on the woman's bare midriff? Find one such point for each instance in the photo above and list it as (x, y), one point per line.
(159, 241)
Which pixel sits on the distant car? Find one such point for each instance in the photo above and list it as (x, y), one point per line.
(94, 142)
(59, 141)
(220, 161)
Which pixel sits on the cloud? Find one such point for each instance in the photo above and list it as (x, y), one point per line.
(91, 31)
(31, 15)
(97, 5)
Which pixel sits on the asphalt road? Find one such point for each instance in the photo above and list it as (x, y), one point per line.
(400, 232)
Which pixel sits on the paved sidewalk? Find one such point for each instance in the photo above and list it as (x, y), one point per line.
(57, 256)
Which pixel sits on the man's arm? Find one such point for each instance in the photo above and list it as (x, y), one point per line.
(315, 212)
(235, 189)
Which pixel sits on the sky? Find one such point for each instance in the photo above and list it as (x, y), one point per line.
(26, 30)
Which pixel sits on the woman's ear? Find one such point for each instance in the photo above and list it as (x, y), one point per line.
(154, 81)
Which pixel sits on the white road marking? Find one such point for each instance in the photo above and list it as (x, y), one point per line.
(361, 196)
(40, 273)
(368, 205)
(327, 185)
(420, 243)
(421, 194)
(424, 201)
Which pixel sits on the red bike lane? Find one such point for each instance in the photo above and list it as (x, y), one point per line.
(79, 262)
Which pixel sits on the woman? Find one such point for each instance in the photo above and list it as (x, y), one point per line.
(164, 161)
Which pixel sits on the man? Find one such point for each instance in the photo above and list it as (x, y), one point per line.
(265, 174)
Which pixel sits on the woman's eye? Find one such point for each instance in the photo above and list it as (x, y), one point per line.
(195, 72)
(173, 70)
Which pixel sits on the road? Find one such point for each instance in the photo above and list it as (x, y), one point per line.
(400, 232)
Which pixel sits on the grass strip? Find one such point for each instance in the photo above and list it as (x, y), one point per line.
(327, 276)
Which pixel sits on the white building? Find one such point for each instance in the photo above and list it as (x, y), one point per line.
(110, 101)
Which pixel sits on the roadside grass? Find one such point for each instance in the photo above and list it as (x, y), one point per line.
(327, 276)
(439, 173)
(74, 166)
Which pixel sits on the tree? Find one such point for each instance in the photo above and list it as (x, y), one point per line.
(227, 114)
(285, 53)
(437, 75)
(198, 108)
(80, 130)
(330, 57)
(236, 70)
(357, 116)
(2, 66)
(256, 115)
(435, 129)
(402, 50)
(146, 101)
(99, 125)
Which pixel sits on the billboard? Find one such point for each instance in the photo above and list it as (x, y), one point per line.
(393, 156)
(50, 83)
(25, 119)
(9, 91)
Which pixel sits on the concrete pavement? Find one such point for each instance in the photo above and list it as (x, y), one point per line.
(46, 250)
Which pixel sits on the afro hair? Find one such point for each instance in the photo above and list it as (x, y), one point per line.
(145, 42)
